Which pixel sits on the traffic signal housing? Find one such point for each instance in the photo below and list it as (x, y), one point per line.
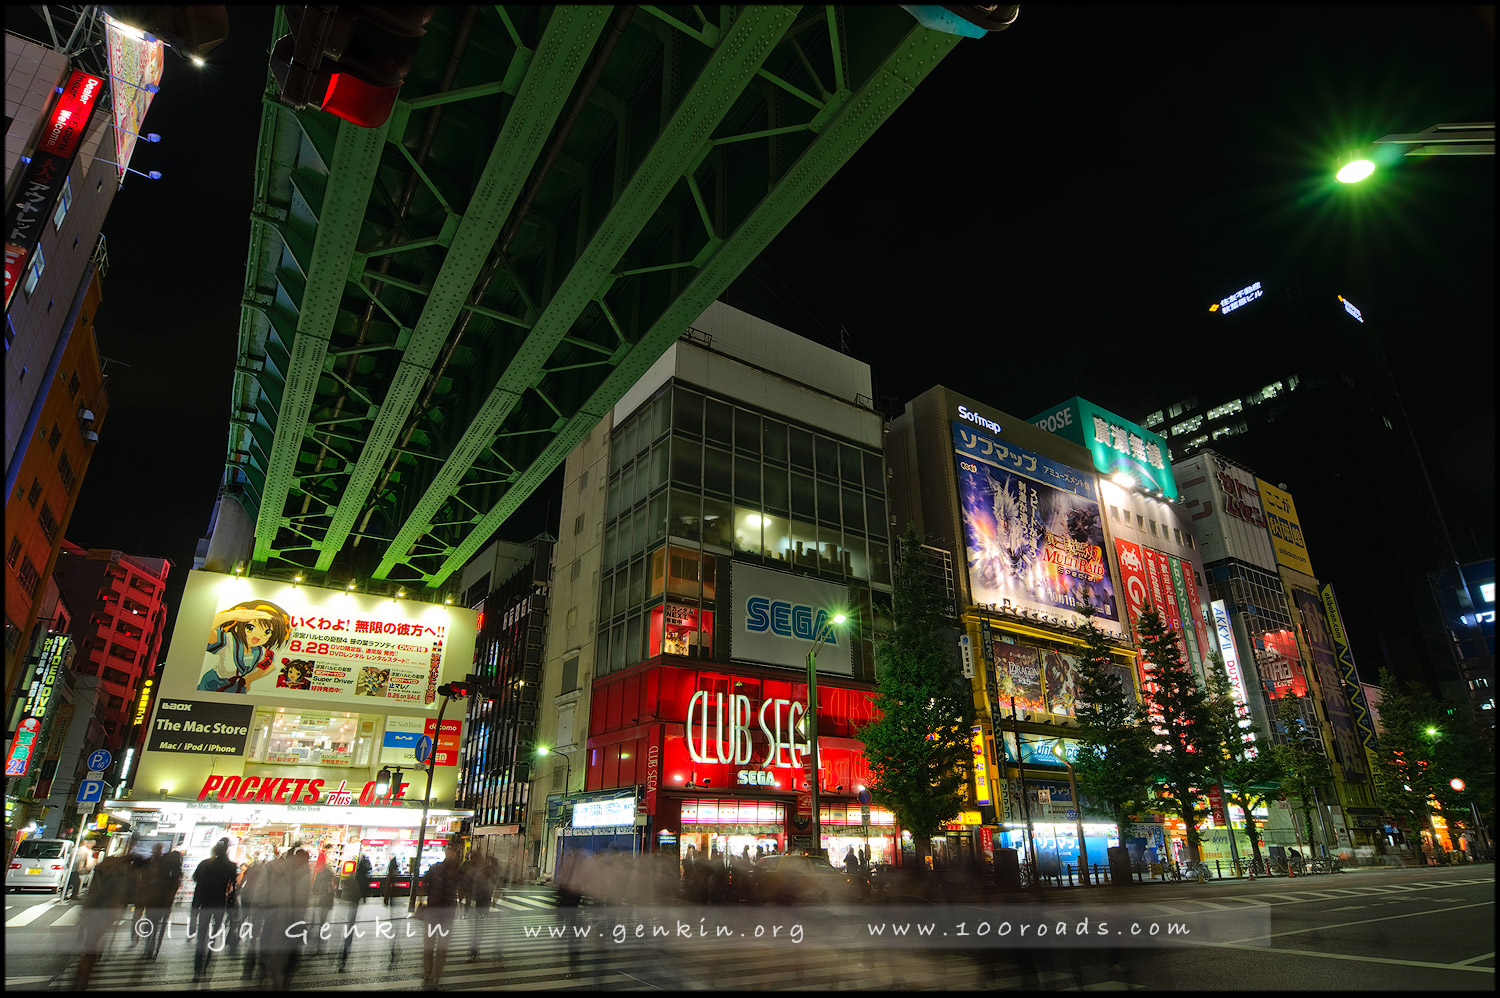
(349, 61)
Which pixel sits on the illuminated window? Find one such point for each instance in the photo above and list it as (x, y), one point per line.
(1227, 409)
(308, 739)
(1272, 390)
(1187, 425)
(1197, 441)
(1155, 419)
(64, 202)
(34, 272)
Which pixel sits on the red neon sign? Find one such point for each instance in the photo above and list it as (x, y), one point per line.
(71, 115)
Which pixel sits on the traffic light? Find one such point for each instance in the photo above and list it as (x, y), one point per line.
(349, 61)
(456, 690)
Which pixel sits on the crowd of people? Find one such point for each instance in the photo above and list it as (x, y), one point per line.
(251, 912)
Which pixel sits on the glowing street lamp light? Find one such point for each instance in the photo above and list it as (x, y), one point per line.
(812, 725)
(1469, 138)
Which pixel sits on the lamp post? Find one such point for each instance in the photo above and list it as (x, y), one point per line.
(812, 726)
(1467, 138)
(1083, 847)
(543, 750)
(446, 690)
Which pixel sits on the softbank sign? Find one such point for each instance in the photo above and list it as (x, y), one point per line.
(969, 415)
(778, 617)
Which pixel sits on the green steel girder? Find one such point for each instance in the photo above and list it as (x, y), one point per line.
(560, 58)
(730, 68)
(855, 121)
(351, 175)
(403, 381)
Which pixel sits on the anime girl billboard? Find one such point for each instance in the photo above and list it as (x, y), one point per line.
(242, 645)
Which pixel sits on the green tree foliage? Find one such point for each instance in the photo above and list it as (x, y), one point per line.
(919, 747)
(1304, 764)
(1182, 739)
(1423, 746)
(1113, 765)
(1248, 771)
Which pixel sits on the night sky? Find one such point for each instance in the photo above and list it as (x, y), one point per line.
(1048, 199)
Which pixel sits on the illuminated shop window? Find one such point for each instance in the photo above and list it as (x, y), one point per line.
(307, 738)
(682, 630)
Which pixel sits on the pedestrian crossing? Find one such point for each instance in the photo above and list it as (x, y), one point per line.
(1230, 902)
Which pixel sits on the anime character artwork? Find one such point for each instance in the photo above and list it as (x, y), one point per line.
(296, 674)
(242, 645)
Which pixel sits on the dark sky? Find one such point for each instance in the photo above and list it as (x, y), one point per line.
(1047, 198)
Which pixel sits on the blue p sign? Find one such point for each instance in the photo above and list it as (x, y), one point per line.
(99, 760)
(90, 791)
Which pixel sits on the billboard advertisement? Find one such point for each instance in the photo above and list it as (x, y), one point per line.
(1118, 445)
(1033, 534)
(778, 617)
(1018, 670)
(1232, 668)
(1060, 680)
(138, 62)
(1346, 739)
(1284, 527)
(304, 645)
(1363, 718)
(1137, 596)
(1280, 665)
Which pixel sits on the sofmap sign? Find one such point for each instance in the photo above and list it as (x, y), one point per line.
(778, 617)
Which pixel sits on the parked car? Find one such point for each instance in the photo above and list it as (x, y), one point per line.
(39, 864)
(788, 879)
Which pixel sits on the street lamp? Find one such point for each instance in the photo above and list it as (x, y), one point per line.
(543, 750)
(1472, 138)
(812, 725)
(1083, 847)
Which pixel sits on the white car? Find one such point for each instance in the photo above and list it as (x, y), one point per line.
(39, 863)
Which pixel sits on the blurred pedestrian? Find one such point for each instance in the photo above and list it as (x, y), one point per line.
(158, 890)
(323, 891)
(851, 863)
(139, 863)
(466, 873)
(287, 885)
(355, 886)
(481, 890)
(107, 898)
(438, 914)
(388, 889)
(213, 879)
(251, 896)
(83, 862)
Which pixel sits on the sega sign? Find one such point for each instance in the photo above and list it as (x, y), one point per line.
(778, 617)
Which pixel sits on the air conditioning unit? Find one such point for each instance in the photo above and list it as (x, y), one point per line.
(91, 437)
(87, 415)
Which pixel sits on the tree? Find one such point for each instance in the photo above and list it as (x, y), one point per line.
(1182, 739)
(918, 748)
(1248, 771)
(1113, 764)
(1304, 764)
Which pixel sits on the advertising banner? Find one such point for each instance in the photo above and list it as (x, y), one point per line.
(1280, 664)
(1137, 596)
(1033, 534)
(1285, 529)
(1185, 614)
(445, 743)
(778, 617)
(398, 746)
(1233, 668)
(1363, 720)
(1163, 596)
(981, 767)
(1118, 445)
(1018, 669)
(1039, 750)
(311, 646)
(138, 62)
(1335, 695)
(1195, 610)
(1060, 678)
(201, 727)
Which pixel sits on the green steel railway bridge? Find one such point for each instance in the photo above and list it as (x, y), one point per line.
(437, 309)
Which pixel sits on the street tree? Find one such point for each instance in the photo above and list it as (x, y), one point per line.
(918, 747)
(1248, 771)
(1182, 740)
(1114, 755)
(1304, 763)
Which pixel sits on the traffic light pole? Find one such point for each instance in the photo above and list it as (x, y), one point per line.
(416, 873)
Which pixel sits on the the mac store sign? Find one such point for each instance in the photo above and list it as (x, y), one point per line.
(777, 618)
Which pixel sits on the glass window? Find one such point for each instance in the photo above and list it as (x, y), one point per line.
(804, 502)
(746, 432)
(687, 412)
(858, 561)
(658, 571)
(746, 531)
(876, 521)
(828, 502)
(849, 462)
(804, 544)
(773, 436)
(747, 480)
(718, 524)
(656, 416)
(718, 422)
(776, 538)
(622, 593)
(637, 592)
(709, 570)
(607, 555)
(802, 447)
(64, 202)
(687, 463)
(638, 521)
(830, 551)
(880, 561)
(826, 457)
(656, 518)
(606, 597)
(311, 738)
(633, 640)
(774, 488)
(717, 470)
(627, 488)
(854, 511)
(612, 502)
(683, 570)
(874, 475)
(617, 648)
(658, 476)
(34, 272)
(683, 518)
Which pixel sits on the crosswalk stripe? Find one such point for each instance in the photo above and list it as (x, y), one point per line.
(28, 916)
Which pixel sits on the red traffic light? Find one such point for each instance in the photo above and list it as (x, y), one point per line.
(349, 61)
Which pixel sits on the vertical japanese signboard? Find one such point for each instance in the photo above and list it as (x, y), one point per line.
(1232, 670)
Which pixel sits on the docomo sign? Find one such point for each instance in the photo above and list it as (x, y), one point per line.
(731, 743)
(277, 790)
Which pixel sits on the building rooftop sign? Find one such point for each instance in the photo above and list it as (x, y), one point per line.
(1118, 445)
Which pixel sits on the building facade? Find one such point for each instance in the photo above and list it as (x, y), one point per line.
(730, 504)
